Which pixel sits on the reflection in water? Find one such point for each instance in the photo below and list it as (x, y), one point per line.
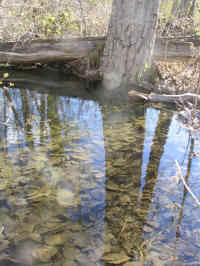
(124, 138)
(156, 153)
(83, 183)
(52, 181)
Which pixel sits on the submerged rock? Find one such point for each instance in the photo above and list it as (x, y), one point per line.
(116, 258)
(66, 198)
(55, 240)
(44, 253)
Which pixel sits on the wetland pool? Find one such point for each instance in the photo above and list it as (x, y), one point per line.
(89, 183)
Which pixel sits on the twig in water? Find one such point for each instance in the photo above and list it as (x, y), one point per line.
(185, 184)
(8, 118)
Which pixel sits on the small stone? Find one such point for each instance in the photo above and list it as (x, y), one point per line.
(164, 257)
(134, 263)
(107, 248)
(55, 240)
(116, 258)
(153, 224)
(147, 229)
(76, 227)
(44, 253)
(130, 263)
(125, 200)
(36, 237)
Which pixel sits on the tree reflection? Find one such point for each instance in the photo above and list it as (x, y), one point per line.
(127, 209)
(42, 113)
(27, 115)
(57, 165)
(124, 138)
(10, 102)
(66, 162)
(55, 127)
(157, 150)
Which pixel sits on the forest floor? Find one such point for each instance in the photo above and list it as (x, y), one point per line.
(179, 76)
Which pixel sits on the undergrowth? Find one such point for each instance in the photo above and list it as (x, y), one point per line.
(24, 20)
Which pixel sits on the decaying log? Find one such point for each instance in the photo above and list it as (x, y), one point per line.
(164, 98)
(46, 51)
(176, 48)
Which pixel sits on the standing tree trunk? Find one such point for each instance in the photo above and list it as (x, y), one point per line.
(130, 41)
(192, 8)
(183, 8)
(175, 8)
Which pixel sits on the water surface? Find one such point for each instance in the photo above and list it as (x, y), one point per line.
(86, 182)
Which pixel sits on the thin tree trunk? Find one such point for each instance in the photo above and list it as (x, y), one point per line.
(184, 8)
(192, 8)
(130, 41)
(175, 8)
(83, 19)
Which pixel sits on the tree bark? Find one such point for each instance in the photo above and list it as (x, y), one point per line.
(130, 41)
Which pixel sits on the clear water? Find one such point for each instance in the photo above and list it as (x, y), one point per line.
(89, 183)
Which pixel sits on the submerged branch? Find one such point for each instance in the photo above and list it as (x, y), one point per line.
(186, 185)
(164, 98)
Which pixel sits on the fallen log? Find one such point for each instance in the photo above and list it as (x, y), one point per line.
(176, 48)
(193, 98)
(47, 51)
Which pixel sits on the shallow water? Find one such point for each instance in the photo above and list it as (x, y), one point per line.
(89, 183)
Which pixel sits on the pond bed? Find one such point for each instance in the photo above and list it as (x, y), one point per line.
(89, 183)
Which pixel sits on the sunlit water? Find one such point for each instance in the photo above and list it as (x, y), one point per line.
(84, 183)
